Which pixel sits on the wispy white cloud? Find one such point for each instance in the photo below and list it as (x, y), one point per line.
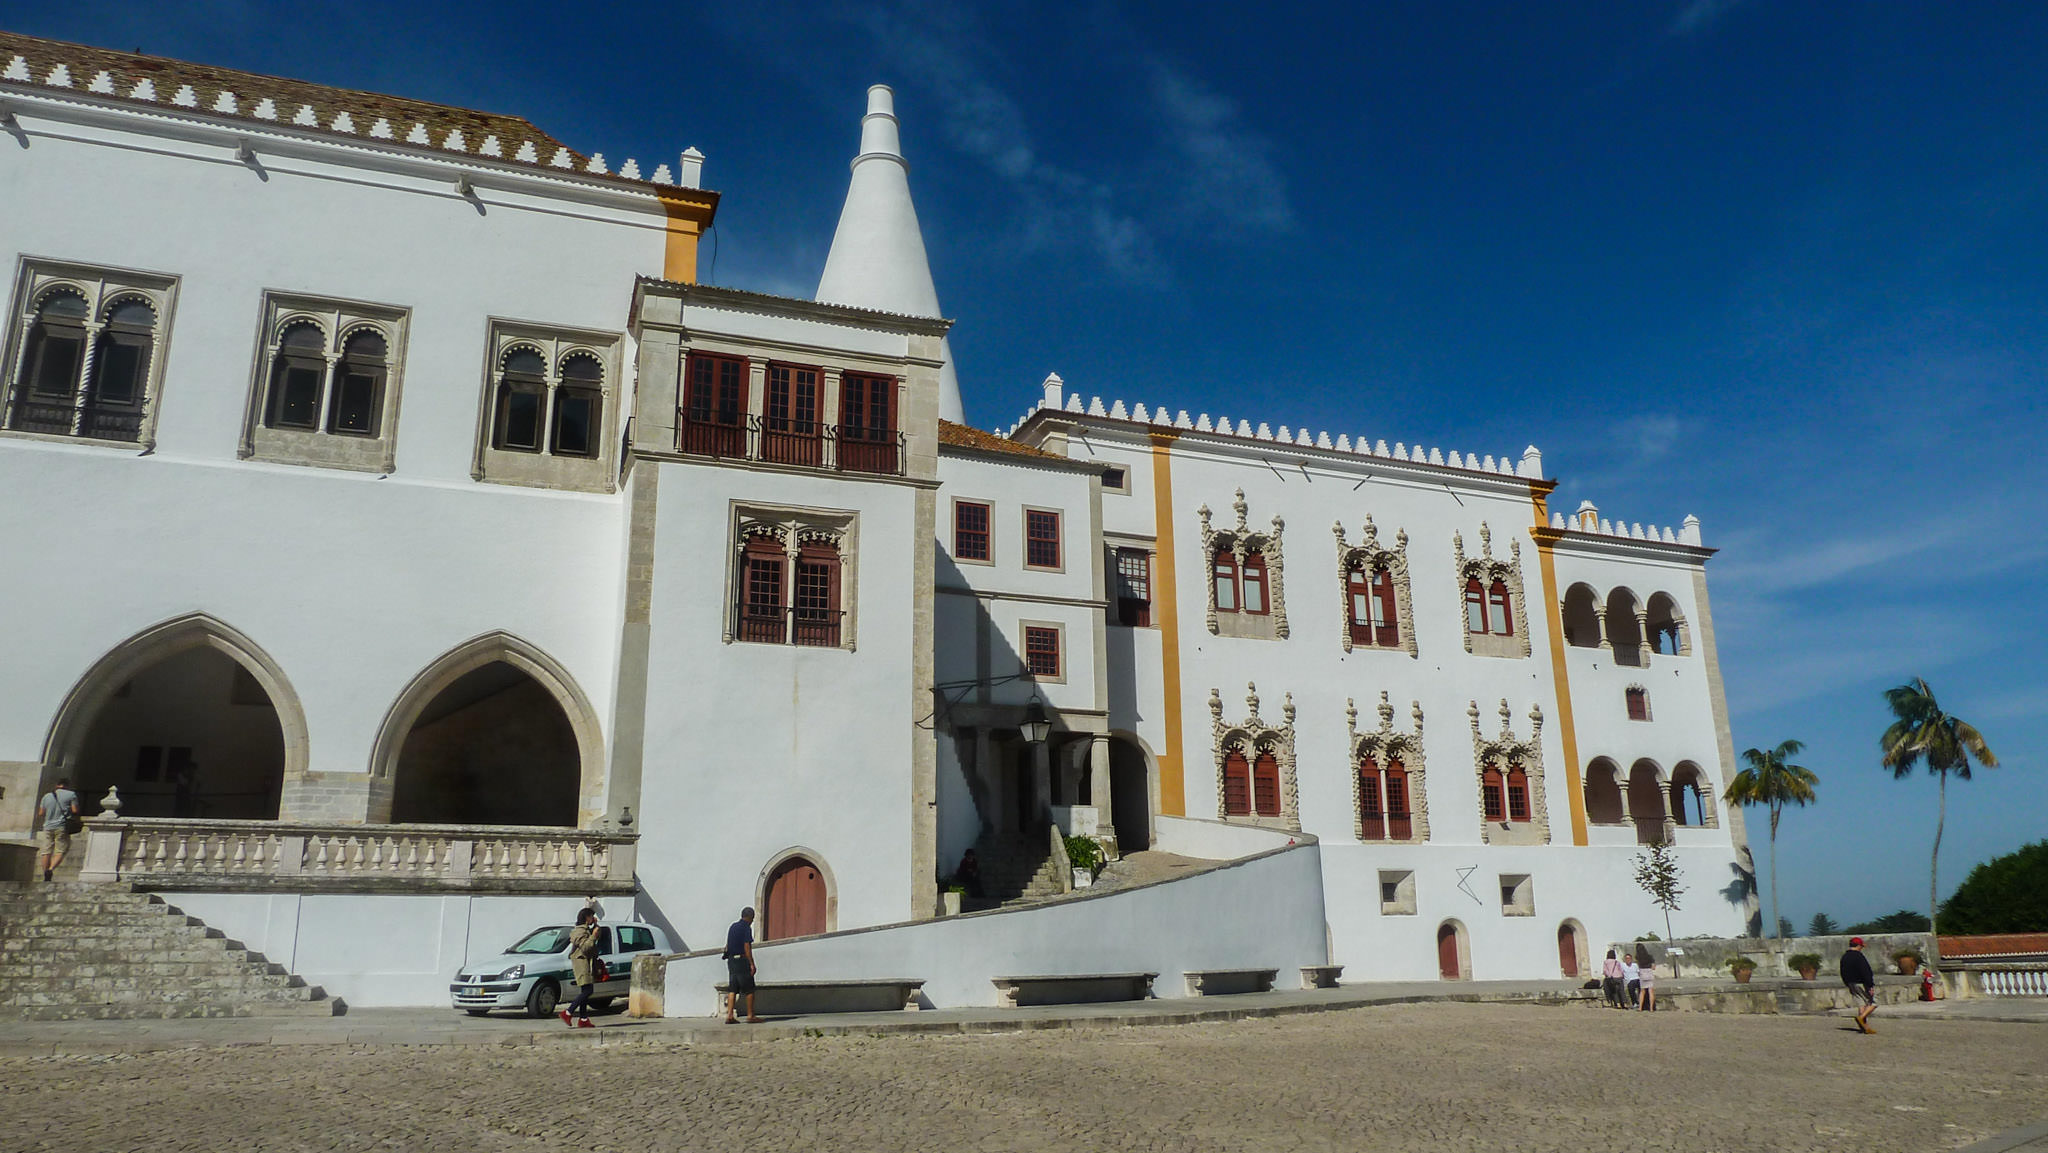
(1205, 163)
(1698, 15)
(1228, 167)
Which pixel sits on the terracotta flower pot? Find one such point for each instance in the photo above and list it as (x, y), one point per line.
(1807, 974)
(1908, 966)
(1742, 976)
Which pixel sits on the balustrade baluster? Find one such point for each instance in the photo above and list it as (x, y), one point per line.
(427, 863)
(178, 861)
(521, 866)
(412, 855)
(241, 854)
(220, 852)
(141, 851)
(601, 861)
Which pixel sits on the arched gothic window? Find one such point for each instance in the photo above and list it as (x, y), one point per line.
(1237, 784)
(1492, 594)
(1399, 818)
(579, 406)
(555, 414)
(120, 372)
(1475, 607)
(1255, 599)
(1266, 783)
(1492, 795)
(1500, 616)
(296, 372)
(815, 616)
(1372, 818)
(51, 370)
(789, 579)
(1505, 796)
(761, 607)
(1374, 618)
(1518, 793)
(358, 385)
(1225, 570)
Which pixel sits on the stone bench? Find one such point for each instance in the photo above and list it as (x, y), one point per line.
(1222, 982)
(1073, 988)
(796, 998)
(1320, 976)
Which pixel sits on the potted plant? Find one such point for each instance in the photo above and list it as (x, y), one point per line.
(1908, 960)
(1805, 964)
(950, 897)
(1086, 856)
(1740, 968)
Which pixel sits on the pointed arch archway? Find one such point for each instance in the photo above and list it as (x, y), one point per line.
(73, 727)
(797, 895)
(469, 662)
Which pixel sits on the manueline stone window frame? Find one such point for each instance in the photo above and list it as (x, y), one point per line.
(338, 321)
(1251, 740)
(101, 289)
(1489, 571)
(1370, 556)
(543, 467)
(1241, 541)
(791, 530)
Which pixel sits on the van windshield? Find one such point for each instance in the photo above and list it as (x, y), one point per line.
(552, 939)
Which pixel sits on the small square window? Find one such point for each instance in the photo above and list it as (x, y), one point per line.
(1517, 895)
(1116, 479)
(1042, 651)
(1397, 892)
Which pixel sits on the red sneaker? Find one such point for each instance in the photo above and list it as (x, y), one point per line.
(566, 1019)
(585, 1024)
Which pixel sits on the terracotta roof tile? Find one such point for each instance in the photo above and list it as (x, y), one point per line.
(961, 436)
(32, 63)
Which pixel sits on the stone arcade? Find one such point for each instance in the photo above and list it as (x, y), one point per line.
(406, 586)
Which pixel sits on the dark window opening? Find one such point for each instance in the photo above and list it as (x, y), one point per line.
(1042, 651)
(1041, 539)
(970, 531)
(1133, 587)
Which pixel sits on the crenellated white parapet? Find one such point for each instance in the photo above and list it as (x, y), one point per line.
(1058, 399)
(1587, 519)
(249, 102)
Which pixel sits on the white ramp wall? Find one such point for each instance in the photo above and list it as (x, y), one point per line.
(1265, 911)
(379, 949)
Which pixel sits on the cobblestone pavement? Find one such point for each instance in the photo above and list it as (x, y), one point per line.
(1422, 1077)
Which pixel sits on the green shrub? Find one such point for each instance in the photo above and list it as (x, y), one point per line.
(1739, 964)
(1799, 962)
(1085, 853)
(1900, 956)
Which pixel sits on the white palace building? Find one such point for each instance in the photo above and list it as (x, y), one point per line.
(413, 549)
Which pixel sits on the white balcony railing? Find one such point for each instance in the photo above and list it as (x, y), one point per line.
(170, 853)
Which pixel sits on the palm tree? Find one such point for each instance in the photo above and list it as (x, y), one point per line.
(1771, 779)
(1946, 743)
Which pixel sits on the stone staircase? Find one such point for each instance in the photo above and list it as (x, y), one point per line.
(1017, 868)
(74, 952)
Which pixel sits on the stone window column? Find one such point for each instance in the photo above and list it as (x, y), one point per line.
(1600, 613)
(1646, 644)
(1099, 780)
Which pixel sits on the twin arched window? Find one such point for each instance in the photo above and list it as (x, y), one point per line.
(1504, 796)
(315, 389)
(60, 390)
(1383, 800)
(1241, 586)
(785, 599)
(1489, 610)
(1373, 617)
(1251, 786)
(558, 413)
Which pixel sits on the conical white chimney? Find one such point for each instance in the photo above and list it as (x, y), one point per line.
(878, 259)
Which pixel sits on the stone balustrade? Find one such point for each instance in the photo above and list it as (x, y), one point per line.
(278, 856)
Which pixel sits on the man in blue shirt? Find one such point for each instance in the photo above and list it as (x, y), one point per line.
(739, 968)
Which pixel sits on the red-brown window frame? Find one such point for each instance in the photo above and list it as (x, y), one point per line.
(1476, 623)
(1518, 794)
(1132, 611)
(714, 416)
(1372, 818)
(973, 544)
(762, 619)
(817, 625)
(1223, 580)
(1237, 784)
(1400, 823)
(1253, 572)
(1033, 518)
(1498, 600)
(791, 432)
(1043, 641)
(1266, 783)
(1493, 802)
(1367, 589)
(1638, 702)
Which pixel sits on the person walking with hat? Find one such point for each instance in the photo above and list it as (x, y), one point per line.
(1862, 983)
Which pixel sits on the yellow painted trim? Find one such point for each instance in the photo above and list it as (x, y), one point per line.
(1561, 678)
(679, 256)
(1173, 800)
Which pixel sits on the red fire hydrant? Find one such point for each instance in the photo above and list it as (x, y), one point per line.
(1927, 984)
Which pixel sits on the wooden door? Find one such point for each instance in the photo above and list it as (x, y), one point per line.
(1447, 953)
(796, 901)
(1567, 951)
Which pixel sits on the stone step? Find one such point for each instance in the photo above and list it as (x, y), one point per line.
(28, 990)
(187, 1010)
(222, 965)
(160, 955)
(158, 996)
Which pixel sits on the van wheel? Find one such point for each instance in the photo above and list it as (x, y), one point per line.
(542, 1001)
(602, 1004)
(476, 1012)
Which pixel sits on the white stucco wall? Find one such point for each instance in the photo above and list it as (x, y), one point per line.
(379, 950)
(351, 581)
(1263, 912)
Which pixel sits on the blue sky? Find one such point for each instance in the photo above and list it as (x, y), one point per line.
(1784, 266)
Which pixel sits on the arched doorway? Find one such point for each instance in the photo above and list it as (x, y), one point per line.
(1453, 959)
(796, 901)
(192, 735)
(1130, 794)
(1603, 793)
(187, 718)
(494, 732)
(1571, 950)
(493, 748)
